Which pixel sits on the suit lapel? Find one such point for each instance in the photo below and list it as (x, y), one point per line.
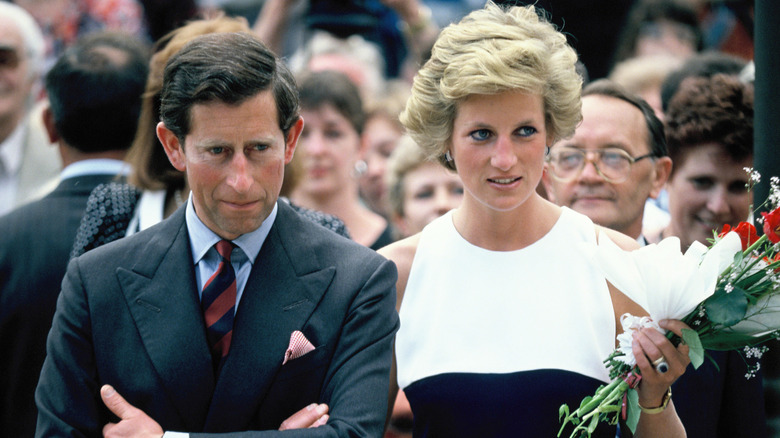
(161, 294)
(283, 289)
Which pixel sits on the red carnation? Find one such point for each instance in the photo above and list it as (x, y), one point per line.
(772, 225)
(746, 231)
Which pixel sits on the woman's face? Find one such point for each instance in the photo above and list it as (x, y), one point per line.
(706, 191)
(498, 144)
(429, 190)
(329, 147)
(380, 137)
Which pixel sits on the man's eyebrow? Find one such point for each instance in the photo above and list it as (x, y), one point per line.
(213, 142)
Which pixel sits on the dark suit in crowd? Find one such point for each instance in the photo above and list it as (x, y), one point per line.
(93, 124)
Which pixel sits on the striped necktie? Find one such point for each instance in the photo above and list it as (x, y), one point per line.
(218, 302)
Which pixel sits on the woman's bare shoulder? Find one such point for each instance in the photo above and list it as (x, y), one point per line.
(402, 254)
(402, 251)
(625, 242)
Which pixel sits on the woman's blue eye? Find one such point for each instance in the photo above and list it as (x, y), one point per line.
(480, 134)
(424, 194)
(527, 131)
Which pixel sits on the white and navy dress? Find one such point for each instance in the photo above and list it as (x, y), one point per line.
(493, 342)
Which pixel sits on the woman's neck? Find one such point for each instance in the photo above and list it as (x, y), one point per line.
(364, 225)
(336, 203)
(505, 230)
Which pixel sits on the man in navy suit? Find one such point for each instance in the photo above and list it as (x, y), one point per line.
(314, 318)
(94, 99)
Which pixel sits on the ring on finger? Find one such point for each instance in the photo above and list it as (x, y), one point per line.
(660, 365)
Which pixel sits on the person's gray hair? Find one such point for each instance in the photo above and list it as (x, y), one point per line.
(34, 45)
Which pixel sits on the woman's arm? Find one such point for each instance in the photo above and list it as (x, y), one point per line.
(649, 345)
(402, 254)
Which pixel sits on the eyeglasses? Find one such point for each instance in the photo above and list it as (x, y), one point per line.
(613, 164)
(9, 58)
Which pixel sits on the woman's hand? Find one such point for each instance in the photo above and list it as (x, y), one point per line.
(649, 345)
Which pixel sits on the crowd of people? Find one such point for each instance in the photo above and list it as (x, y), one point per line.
(225, 216)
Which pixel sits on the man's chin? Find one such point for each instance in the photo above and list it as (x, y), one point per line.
(594, 209)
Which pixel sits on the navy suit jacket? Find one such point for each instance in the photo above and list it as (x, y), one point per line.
(720, 401)
(35, 243)
(129, 316)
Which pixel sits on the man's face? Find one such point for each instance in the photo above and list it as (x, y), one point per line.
(234, 156)
(610, 123)
(15, 79)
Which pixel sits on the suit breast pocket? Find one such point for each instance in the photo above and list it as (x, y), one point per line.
(306, 364)
(298, 383)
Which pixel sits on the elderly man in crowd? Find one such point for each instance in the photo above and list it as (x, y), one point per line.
(616, 160)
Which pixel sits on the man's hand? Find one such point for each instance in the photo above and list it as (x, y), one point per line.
(313, 415)
(133, 421)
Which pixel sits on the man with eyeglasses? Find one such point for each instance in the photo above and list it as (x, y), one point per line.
(615, 161)
(28, 161)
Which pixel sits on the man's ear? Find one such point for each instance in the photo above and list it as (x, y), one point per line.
(663, 168)
(48, 123)
(291, 142)
(173, 148)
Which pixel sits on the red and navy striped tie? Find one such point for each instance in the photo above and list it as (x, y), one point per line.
(218, 302)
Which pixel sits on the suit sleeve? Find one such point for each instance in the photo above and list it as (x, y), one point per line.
(358, 378)
(67, 395)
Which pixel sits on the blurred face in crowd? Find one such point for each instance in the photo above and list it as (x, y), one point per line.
(429, 191)
(665, 37)
(329, 148)
(612, 133)
(16, 81)
(234, 156)
(707, 190)
(380, 137)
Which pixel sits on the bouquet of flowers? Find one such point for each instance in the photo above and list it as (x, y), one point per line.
(728, 293)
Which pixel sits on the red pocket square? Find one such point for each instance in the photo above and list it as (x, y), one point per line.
(299, 346)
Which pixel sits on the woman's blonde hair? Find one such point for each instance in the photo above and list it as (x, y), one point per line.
(489, 51)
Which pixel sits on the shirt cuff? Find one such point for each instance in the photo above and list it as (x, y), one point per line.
(176, 435)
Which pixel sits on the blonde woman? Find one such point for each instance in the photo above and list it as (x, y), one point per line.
(503, 318)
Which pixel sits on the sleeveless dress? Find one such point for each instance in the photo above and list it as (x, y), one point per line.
(492, 343)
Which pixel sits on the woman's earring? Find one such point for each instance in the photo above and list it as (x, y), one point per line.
(547, 151)
(448, 156)
(360, 168)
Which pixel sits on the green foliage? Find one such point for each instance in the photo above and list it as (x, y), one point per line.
(726, 308)
(695, 349)
(632, 415)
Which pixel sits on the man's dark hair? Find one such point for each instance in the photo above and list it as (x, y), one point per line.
(655, 127)
(706, 64)
(228, 68)
(336, 89)
(716, 110)
(95, 90)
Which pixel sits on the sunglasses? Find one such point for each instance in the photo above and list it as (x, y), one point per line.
(9, 58)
